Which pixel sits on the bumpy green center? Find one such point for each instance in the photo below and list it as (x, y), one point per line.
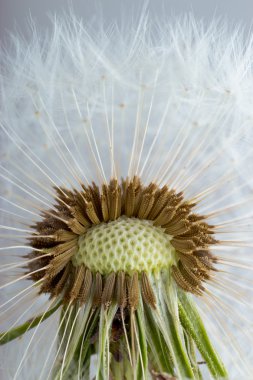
(126, 244)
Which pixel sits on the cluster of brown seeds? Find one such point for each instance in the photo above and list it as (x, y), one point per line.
(75, 211)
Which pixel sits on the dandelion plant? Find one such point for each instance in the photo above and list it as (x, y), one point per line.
(126, 202)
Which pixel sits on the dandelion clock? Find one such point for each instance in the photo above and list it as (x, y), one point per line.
(126, 202)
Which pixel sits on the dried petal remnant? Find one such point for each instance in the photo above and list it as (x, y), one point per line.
(77, 212)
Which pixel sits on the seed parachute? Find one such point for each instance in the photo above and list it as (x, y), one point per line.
(126, 202)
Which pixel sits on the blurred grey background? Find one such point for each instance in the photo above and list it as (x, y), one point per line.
(14, 14)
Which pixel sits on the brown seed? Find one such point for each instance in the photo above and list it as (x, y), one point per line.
(59, 262)
(108, 291)
(104, 207)
(62, 282)
(185, 246)
(183, 283)
(133, 291)
(161, 198)
(76, 287)
(91, 212)
(121, 296)
(76, 227)
(63, 235)
(98, 289)
(178, 228)
(79, 214)
(86, 287)
(130, 198)
(147, 291)
(146, 205)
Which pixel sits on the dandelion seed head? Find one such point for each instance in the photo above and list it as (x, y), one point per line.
(108, 135)
(122, 227)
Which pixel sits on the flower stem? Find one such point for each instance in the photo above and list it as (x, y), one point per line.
(193, 325)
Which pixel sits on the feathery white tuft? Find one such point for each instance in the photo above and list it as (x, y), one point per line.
(171, 103)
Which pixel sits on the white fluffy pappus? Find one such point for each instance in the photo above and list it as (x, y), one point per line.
(169, 102)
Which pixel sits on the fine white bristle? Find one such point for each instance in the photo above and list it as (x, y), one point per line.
(171, 103)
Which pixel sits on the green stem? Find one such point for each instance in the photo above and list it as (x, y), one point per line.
(14, 333)
(193, 325)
